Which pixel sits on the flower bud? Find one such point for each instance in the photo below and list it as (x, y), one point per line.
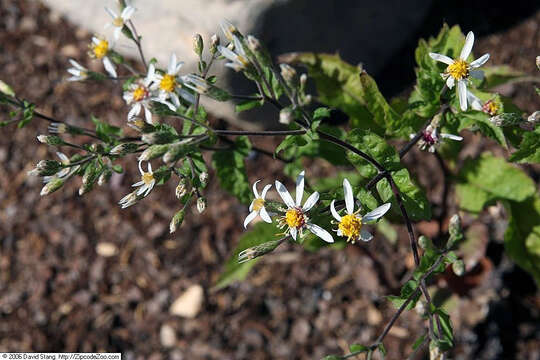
(455, 225)
(506, 119)
(176, 221)
(534, 118)
(286, 116)
(124, 148)
(52, 186)
(182, 188)
(153, 152)
(46, 168)
(159, 137)
(458, 267)
(289, 74)
(424, 242)
(303, 80)
(198, 44)
(538, 62)
(435, 352)
(253, 43)
(203, 178)
(214, 42)
(201, 204)
(57, 128)
(52, 140)
(104, 177)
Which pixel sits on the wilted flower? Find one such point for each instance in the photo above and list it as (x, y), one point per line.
(78, 71)
(57, 128)
(99, 49)
(238, 59)
(119, 20)
(295, 218)
(201, 204)
(431, 138)
(139, 96)
(228, 29)
(196, 83)
(459, 69)
(257, 205)
(147, 181)
(129, 199)
(351, 225)
(490, 107)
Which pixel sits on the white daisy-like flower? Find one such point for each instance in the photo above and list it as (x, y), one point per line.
(118, 21)
(99, 49)
(459, 69)
(196, 83)
(431, 138)
(238, 59)
(147, 181)
(169, 85)
(78, 71)
(257, 205)
(129, 199)
(139, 96)
(352, 224)
(295, 218)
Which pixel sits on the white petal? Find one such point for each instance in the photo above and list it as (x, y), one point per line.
(466, 51)
(349, 200)
(127, 12)
(109, 67)
(148, 115)
(462, 93)
(140, 167)
(251, 206)
(172, 64)
(477, 74)
(320, 232)
(254, 187)
(475, 102)
(265, 190)
(442, 58)
(135, 110)
(452, 137)
(116, 33)
(299, 188)
(140, 183)
(112, 13)
(293, 232)
(63, 158)
(480, 61)
(334, 212)
(264, 215)
(311, 201)
(178, 67)
(377, 213)
(284, 193)
(150, 168)
(450, 82)
(365, 235)
(252, 215)
(142, 189)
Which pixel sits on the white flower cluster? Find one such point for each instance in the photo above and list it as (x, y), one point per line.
(295, 220)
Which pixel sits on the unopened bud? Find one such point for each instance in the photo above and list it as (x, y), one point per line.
(253, 43)
(52, 186)
(52, 140)
(458, 267)
(435, 352)
(6, 89)
(424, 242)
(104, 177)
(455, 225)
(46, 168)
(198, 44)
(303, 80)
(124, 148)
(538, 62)
(176, 151)
(289, 74)
(421, 308)
(201, 204)
(57, 128)
(307, 100)
(153, 152)
(214, 43)
(286, 116)
(534, 118)
(506, 119)
(258, 250)
(203, 178)
(159, 137)
(182, 188)
(176, 221)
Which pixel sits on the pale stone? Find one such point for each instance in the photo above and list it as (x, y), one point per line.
(167, 336)
(189, 303)
(106, 249)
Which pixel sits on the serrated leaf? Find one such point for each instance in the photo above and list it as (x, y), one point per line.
(104, 131)
(489, 178)
(231, 169)
(522, 237)
(529, 149)
(233, 270)
(476, 120)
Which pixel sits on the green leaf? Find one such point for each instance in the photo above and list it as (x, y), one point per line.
(406, 290)
(382, 350)
(28, 114)
(349, 88)
(419, 342)
(231, 169)
(522, 237)
(105, 131)
(321, 113)
(233, 270)
(358, 348)
(447, 336)
(477, 120)
(500, 75)
(248, 105)
(529, 149)
(490, 178)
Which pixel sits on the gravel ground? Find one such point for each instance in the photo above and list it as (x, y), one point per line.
(80, 274)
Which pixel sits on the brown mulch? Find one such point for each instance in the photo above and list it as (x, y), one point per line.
(57, 294)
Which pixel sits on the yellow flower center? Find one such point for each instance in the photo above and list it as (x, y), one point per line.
(350, 226)
(147, 178)
(258, 204)
(459, 69)
(168, 83)
(139, 93)
(118, 22)
(491, 108)
(294, 218)
(100, 49)
(243, 60)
